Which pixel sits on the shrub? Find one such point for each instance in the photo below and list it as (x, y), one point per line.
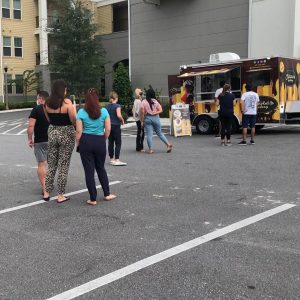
(18, 105)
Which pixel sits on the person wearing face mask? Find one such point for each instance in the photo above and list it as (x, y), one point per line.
(61, 139)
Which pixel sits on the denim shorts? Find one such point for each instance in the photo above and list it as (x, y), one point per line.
(41, 151)
(249, 120)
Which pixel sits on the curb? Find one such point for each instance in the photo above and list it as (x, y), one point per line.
(14, 110)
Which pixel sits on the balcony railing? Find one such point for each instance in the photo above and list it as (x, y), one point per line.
(120, 25)
(51, 20)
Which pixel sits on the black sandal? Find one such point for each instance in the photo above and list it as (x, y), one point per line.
(66, 199)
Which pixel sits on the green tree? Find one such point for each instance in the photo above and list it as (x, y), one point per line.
(122, 85)
(77, 56)
(30, 81)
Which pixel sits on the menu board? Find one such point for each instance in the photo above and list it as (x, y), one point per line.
(180, 120)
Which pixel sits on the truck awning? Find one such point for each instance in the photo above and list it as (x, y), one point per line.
(206, 72)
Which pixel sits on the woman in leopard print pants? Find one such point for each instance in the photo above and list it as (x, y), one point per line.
(61, 139)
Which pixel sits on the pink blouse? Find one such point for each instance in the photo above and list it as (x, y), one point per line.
(155, 107)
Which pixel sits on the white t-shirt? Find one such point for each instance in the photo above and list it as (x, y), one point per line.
(251, 99)
(218, 92)
(136, 109)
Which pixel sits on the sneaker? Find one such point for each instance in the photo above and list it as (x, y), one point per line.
(252, 142)
(222, 144)
(112, 161)
(119, 163)
(228, 144)
(242, 143)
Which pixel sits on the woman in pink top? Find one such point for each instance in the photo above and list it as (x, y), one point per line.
(150, 111)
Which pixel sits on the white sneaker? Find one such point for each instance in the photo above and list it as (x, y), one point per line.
(112, 162)
(119, 163)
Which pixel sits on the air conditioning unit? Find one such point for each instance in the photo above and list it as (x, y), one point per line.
(155, 2)
(221, 57)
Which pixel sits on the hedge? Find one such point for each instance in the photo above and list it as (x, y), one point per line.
(18, 105)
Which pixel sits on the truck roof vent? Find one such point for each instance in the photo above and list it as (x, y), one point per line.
(225, 56)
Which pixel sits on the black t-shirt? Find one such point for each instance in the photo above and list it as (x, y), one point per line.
(41, 124)
(226, 103)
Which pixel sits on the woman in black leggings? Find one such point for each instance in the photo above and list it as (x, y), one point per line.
(226, 100)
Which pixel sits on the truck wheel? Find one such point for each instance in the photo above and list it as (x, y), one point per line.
(259, 127)
(235, 126)
(204, 125)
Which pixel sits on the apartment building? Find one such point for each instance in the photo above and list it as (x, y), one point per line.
(152, 37)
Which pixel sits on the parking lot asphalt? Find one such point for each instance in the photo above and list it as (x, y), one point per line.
(179, 229)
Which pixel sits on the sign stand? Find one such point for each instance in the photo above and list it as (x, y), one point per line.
(180, 120)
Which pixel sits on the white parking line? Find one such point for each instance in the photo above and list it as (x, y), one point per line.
(111, 277)
(52, 198)
(19, 133)
(11, 129)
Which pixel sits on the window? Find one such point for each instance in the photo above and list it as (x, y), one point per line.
(120, 17)
(17, 9)
(6, 46)
(18, 47)
(19, 84)
(6, 8)
(9, 83)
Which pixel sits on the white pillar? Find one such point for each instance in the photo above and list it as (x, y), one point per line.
(129, 39)
(43, 16)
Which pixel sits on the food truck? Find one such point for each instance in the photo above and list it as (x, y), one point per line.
(275, 79)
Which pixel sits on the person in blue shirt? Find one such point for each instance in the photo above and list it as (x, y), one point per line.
(115, 140)
(92, 130)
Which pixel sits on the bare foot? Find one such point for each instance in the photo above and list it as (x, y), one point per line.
(90, 202)
(110, 197)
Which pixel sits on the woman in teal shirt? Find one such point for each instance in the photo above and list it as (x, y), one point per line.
(92, 130)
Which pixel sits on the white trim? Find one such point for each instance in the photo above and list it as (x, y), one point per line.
(129, 39)
(100, 3)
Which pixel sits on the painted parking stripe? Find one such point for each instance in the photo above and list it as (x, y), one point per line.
(22, 131)
(11, 129)
(7, 210)
(111, 277)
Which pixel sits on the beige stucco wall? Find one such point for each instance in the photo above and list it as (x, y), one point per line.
(23, 28)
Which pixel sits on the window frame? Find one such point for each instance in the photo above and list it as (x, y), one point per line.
(10, 46)
(17, 9)
(7, 8)
(15, 47)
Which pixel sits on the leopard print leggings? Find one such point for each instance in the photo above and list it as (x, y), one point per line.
(61, 142)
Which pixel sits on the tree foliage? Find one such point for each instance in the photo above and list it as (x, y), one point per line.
(122, 85)
(77, 56)
(30, 81)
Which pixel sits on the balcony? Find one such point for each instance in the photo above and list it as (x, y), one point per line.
(120, 25)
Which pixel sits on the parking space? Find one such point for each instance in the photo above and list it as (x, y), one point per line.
(197, 199)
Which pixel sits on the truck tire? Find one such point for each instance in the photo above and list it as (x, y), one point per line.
(259, 127)
(204, 125)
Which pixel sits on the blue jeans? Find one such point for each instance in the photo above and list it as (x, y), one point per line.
(153, 123)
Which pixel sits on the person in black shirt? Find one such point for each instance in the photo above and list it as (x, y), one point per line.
(226, 100)
(38, 126)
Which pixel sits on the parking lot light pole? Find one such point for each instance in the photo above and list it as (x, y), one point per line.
(5, 83)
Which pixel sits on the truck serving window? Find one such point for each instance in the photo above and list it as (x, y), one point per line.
(259, 78)
(206, 85)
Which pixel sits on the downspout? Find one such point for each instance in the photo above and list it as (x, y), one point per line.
(129, 39)
(250, 29)
(1, 60)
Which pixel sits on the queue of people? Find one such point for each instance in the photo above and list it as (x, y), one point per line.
(55, 127)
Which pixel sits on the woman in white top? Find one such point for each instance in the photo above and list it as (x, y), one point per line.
(136, 115)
